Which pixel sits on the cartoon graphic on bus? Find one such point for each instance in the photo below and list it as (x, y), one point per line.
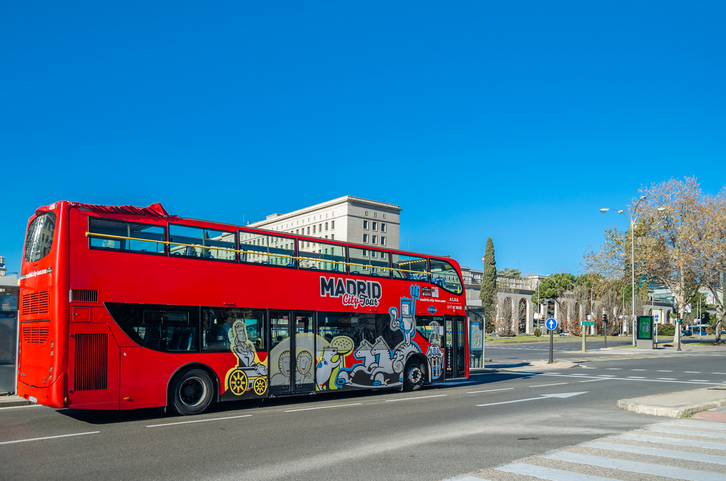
(250, 373)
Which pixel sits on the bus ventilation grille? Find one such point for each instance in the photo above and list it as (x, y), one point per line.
(91, 362)
(35, 303)
(84, 295)
(35, 334)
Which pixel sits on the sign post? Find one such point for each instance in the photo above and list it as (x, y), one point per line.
(552, 325)
(589, 322)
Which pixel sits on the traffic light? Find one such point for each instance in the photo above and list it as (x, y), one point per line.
(550, 308)
(604, 318)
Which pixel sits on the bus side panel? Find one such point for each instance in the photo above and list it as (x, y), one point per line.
(93, 367)
(146, 374)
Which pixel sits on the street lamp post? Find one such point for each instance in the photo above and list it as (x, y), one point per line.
(632, 253)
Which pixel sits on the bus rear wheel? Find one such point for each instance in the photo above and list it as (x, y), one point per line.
(192, 392)
(413, 375)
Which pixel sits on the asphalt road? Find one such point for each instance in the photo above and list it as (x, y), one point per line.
(434, 434)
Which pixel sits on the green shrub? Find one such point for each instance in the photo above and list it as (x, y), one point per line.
(666, 330)
(537, 333)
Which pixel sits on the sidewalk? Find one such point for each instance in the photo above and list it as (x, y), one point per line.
(12, 400)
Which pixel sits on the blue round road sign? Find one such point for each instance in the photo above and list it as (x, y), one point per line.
(551, 324)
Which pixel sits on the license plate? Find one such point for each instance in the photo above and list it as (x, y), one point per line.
(33, 399)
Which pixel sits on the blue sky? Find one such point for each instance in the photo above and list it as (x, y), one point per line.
(510, 120)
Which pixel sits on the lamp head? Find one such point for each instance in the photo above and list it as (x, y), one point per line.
(620, 211)
(642, 197)
(604, 210)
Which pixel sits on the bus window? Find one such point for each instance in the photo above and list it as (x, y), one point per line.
(369, 262)
(204, 243)
(39, 239)
(445, 276)
(267, 249)
(222, 327)
(126, 236)
(158, 327)
(321, 256)
(409, 267)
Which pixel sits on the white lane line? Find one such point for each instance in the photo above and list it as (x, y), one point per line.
(663, 370)
(414, 398)
(692, 372)
(700, 424)
(596, 380)
(719, 373)
(22, 407)
(547, 473)
(674, 441)
(699, 380)
(492, 390)
(323, 407)
(636, 377)
(666, 453)
(613, 369)
(686, 432)
(545, 385)
(634, 466)
(198, 421)
(49, 437)
(666, 379)
(587, 367)
(640, 370)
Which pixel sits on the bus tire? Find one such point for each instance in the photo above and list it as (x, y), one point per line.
(192, 392)
(413, 375)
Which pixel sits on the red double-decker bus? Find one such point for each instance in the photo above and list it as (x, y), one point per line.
(130, 307)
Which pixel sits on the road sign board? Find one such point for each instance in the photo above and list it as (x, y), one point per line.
(551, 324)
(588, 323)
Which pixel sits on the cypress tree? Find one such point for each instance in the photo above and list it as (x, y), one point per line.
(488, 293)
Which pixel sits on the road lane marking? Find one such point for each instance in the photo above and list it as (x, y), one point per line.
(22, 407)
(613, 369)
(685, 432)
(199, 421)
(492, 390)
(549, 474)
(633, 466)
(666, 453)
(701, 424)
(666, 379)
(563, 395)
(674, 441)
(323, 407)
(596, 380)
(692, 372)
(636, 377)
(414, 398)
(699, 380)
(719, 373)
(663, 370)
(641, 370)
(48, 437)
(545, 385)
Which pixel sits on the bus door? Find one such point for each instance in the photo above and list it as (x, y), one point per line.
(292, 352)
(455, 346)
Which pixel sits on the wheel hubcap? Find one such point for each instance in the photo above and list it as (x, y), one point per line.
(192, 391)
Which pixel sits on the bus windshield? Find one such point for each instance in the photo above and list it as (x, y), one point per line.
(40, 237)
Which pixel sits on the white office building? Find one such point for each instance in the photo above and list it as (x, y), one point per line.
(348, 219)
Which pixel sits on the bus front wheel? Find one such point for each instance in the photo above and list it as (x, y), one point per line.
(192, 392)
(413, 375)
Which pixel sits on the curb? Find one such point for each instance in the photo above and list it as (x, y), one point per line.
(13, 401)
(675, 412)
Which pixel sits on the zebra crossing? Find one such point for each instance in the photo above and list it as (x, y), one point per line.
(688, 449)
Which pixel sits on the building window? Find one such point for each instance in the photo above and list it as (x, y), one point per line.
(332, 225)
(326, 226)
(383, 241)
(332, 236)
(375, 225)
(383, 227)
(373, 239)
(365, 224)
(365, 237)
(320, 228)
(313, 229)
(366, 212)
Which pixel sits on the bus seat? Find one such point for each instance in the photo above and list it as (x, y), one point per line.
(175, 339)
(152, 338)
